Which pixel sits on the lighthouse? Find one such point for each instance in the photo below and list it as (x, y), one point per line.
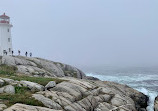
(5, 35)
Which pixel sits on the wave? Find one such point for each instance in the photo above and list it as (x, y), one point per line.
(151, 96)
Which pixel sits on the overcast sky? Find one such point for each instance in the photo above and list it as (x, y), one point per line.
(86, 32)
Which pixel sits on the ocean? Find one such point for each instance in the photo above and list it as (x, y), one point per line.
(143, 79)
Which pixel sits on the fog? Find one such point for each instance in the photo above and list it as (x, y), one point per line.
(86, 33)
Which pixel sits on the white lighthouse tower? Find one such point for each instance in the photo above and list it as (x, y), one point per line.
(5, 35)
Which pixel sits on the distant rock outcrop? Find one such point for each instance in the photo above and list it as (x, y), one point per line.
(41, 67)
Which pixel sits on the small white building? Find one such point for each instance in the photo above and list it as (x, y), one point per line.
(5, 35)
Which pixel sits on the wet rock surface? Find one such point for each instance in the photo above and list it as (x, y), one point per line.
(156, 104)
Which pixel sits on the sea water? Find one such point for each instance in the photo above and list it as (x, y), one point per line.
(144, 80)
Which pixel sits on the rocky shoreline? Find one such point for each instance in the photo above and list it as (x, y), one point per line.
(60, 87)
(79, 95)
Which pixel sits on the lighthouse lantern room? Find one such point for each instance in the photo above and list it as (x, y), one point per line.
(5, 35)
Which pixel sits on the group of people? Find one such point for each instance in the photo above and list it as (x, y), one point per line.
(26, 53)
(19, 52)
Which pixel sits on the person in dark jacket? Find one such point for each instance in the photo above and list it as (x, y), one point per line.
(12, 53)
(26, 54)
(30, 54)
(19, 52)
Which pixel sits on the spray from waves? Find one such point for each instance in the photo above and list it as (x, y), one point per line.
(136, 81)
(151, 96)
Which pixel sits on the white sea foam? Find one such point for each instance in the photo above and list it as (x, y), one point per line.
(136, 81)
(151, 96)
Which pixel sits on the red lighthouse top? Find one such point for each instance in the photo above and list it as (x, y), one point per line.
(4, 19)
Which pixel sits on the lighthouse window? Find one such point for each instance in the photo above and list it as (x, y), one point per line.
(8, 39)
(9, 49)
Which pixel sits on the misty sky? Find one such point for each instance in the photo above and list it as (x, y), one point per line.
(86, 32)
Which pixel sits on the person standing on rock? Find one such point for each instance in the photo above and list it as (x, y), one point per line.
(26, 54)
(12, 52)
(30, 54)
(19, 52)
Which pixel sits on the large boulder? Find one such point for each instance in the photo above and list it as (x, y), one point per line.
(156, 104)
(47, 102)
(91, 78)
(1, 82)
(41, 67)
(33, 86)
(87, 95)
(140, 100)
(105, 107)
(7, 80)
(9, 89)
(51, 84)
(23, 107)
(2, 107)
(10, 60)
